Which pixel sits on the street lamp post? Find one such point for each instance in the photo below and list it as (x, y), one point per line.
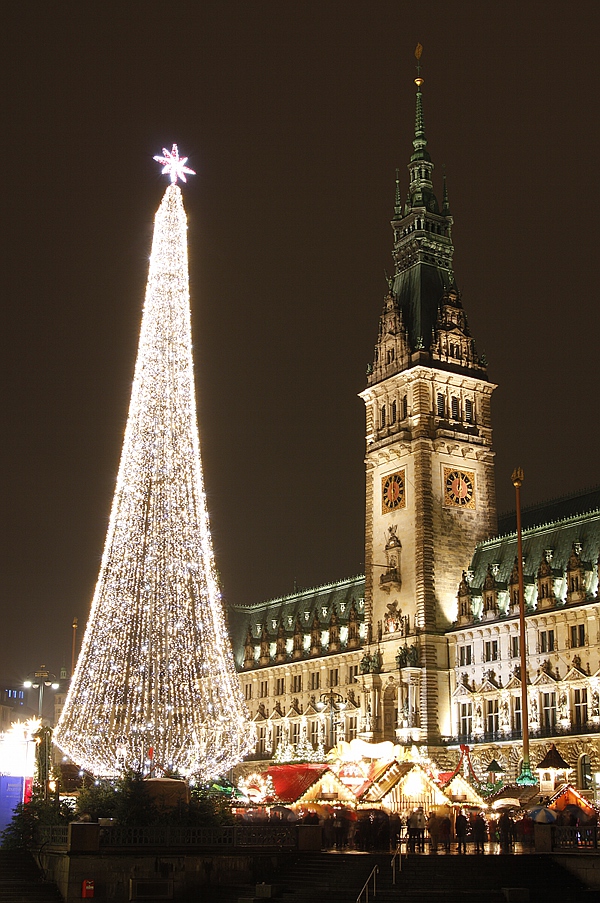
(336, 703)
(38, 680)
(526, 777)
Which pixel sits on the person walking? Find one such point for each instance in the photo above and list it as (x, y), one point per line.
(479, 833)
(413, 831)
(433, 826)
(421, 829)
(505, 830)
(461, 826)
(445, 833)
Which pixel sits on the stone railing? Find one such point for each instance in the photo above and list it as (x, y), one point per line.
(580, 838)
(87, 837)
(52, 835)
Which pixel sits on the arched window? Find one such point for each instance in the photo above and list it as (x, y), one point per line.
(393, 412)
(441, 407)
(405, 407)
(382, 416)
(454, 403)
(468, 410)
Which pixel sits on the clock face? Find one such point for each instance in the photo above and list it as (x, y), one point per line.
(459, 488)
(393, 492)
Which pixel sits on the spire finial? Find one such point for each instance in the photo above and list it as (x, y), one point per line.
(420, 141)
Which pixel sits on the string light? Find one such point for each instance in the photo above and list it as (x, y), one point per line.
(155, 685)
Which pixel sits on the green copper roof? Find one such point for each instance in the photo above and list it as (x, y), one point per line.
(552, 511)
(555, 536)
(419, 291)
(304, 603)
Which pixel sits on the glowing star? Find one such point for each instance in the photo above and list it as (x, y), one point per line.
(174, 165)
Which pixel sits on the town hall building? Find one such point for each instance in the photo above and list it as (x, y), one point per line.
(423, 650)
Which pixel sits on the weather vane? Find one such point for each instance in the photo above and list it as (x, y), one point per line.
(418, 52)
(174, 165)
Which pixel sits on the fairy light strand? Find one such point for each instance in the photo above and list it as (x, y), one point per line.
(155, 677)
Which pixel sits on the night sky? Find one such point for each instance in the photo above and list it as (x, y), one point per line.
(295, 116)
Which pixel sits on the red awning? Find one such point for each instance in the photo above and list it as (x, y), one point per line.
(291, 781)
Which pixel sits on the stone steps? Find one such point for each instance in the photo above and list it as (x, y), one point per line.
(21, 881)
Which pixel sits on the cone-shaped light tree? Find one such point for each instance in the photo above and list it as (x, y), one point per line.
(155, 682)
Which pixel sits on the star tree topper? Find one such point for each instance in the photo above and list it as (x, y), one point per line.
(174, 165)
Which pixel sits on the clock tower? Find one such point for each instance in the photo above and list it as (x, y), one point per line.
(430, 494)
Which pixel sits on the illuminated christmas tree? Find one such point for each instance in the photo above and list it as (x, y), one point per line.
(155, 686)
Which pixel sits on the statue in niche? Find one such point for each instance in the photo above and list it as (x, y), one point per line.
(413, 656)
(402, 657)
(371, 664)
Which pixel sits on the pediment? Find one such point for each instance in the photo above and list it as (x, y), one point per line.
(513, 684)
(544, 679)
(488, 686)
(463, 690)
(575, 674)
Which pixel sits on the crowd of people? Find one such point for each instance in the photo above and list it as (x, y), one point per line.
(447, 830)
(437, 832)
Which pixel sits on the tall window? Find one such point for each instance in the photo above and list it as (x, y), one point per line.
(264, 689)
(466, 718)
(314, 733)
(577, 635)
(491, 716)
(352, 674)
(454, 406)
(261, 743)
(516, 713)
(296, 683)
(548, 710)
(441, 407)
(491, 650)
(334, 677)
(277, 736)
(405, 407)
(280, 686)
(546, 641)
(248, 691)
(295, 732)
(393, 412)
(584, 772)
(351, 727)
(580, 707)
(315, 680)
(515, 646)
(468, 410)
(465, 655)
(382, 416)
